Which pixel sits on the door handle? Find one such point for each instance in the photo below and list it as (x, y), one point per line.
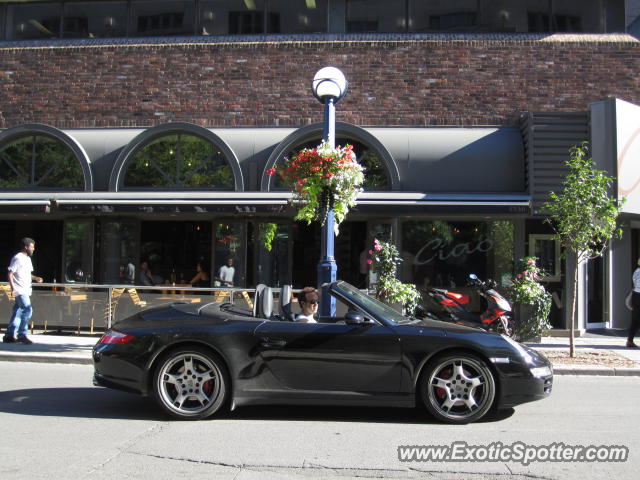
(272, 342)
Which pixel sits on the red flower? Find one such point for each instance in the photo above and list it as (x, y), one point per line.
(271, 171)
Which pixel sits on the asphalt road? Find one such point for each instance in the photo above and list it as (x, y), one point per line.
(55, 424)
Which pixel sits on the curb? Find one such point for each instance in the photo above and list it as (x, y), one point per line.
(45, 358)
(595, 370)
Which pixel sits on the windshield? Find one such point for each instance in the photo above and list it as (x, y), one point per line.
(372, 305)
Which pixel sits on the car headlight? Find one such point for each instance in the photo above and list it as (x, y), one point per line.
(541, 371)
(523, 353)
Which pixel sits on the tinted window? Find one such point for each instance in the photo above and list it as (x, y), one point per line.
(37, 161)
(180, 161)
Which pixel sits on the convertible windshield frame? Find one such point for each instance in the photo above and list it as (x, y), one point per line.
(381, 312)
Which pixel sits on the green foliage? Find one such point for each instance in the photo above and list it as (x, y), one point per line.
(584, 216)
(526, 290)
(376, 177)
(389, 289)
(39, 161)
(267, 234)
(322, 178)
(180, 161)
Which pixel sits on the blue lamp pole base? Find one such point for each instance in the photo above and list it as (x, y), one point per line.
(327, 267)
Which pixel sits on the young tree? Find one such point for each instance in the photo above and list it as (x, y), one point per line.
(583, 216)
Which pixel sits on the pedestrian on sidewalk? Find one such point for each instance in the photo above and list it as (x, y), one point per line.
(20, 278)
(635, 302)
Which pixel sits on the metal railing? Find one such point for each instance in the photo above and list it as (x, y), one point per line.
(91, 308)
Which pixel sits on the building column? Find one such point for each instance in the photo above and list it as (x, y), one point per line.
(620, 269)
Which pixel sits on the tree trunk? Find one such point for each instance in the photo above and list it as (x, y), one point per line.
(576, 267)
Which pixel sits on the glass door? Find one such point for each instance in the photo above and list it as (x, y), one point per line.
(597, 311)
(118, 251)
(271, 242)
(229, 254)
(78, 251)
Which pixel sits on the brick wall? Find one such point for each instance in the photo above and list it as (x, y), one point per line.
(472, 81)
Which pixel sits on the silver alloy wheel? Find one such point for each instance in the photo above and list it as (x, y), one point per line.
(189, 383)
(459, 389)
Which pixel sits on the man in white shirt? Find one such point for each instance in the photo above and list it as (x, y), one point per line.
(20, 278)
(308, 300)
(226, 273)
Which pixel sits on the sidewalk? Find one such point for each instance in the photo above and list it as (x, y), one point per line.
(77, 349)
(51, 349)
(607, 345)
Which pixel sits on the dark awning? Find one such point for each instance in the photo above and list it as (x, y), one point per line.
(255, 202)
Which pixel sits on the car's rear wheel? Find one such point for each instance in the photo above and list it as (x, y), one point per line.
(190, 383)
(457, 388)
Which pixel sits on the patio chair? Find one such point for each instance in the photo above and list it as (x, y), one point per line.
(135, 298)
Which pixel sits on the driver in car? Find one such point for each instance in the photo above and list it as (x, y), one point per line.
(308, 300)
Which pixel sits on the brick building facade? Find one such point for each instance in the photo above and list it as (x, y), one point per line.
(459, 80)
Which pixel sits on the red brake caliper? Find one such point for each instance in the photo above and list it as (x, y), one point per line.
(441, 392)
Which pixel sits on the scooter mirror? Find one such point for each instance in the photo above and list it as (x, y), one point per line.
(473, 276)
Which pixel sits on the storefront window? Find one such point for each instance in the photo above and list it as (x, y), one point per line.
(78, 251)
(296, 16)
(222, 17)
(37, 161)
(31, 21)
(375, 16)
(442, 254)
(173, 249)
(94, 19)
(2, 23)
(512, 15)
(180, 161)
(229, 247)
(118, 248)
(273, 264)
(153, 17)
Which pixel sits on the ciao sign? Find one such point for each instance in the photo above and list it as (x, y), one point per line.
(438, 249)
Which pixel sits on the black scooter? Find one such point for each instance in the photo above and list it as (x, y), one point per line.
(453, 307)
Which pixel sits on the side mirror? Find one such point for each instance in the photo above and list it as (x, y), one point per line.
(352, 318)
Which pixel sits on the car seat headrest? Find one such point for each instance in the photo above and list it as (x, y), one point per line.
(267, 302)
(285, 302)
(257, 300)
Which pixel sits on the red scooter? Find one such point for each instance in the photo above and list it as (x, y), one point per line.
(453, 307)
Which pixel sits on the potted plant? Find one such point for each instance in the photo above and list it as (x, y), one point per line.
(533, 300)
(322, 178)
(385, 259)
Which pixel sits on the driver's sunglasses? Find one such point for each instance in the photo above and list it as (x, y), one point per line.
(311, 302)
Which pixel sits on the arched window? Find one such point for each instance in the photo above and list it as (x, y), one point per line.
(376, 177)
(179, 161)
(39, 161)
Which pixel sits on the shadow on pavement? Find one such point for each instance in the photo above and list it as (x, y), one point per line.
(78, 402)
(95, 402)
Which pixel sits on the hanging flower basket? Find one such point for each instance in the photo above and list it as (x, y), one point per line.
(322, 178)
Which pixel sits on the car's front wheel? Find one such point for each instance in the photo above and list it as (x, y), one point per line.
(458, 388)
(190, 383)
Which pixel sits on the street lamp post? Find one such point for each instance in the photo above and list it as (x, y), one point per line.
(329, 86)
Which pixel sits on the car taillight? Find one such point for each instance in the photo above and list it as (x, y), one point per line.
(114, 337)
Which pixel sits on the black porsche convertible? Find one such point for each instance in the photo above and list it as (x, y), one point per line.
(196, 358)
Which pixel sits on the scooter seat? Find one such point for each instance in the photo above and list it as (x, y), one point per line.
(461, 298)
